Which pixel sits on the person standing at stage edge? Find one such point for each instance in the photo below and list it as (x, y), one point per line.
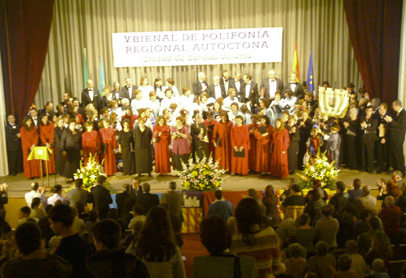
(397, 127)
(14, 151)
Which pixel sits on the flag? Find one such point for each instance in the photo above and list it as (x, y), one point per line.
(309, 81)
(85, 70)
(102, 81)
(295, 68)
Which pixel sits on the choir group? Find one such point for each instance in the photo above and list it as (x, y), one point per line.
(268, 128)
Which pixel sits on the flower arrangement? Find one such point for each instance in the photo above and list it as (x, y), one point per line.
(319, 168)
(203, 174)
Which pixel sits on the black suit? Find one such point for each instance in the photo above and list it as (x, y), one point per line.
(397, 137)
(101, 199)
(96, 98)
(231, 84)
(147, 201)
(382, 149)
(211, 90)
(14, 152)
(124, 92)
(50, 114)
(125, 201)
(298, 92)
(253, 96)
(197, 87)
(368, 143)
(238, 90)
(265, 86)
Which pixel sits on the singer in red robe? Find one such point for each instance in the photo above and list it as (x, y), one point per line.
(222, 142)
(46, 135)
(108, 136)
(240, 142)
(210, 123)
(252, 160)
(280, 142)
(29, 138)
(162, 136)
(263, 136)
(91, 143)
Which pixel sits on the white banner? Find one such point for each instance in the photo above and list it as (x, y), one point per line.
(201, 47)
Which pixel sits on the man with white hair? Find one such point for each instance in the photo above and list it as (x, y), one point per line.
(200, 85)
(127, 90)
(36, 192)
(270, 85)
(390, 216)
(367, 201)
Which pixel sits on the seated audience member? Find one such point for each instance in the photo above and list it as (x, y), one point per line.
(287, 231)
(317, 187)
(367, 200)
(57, 190)
(305, 233)
(71, 247)
(125, 201)
(365, 239)
(288, 189)
(356, 192)
(340, 199)
(156, 246)
(270, 201)
(78, 194)
(397, 176)
(390, 216)
(4, 226)
(327, 227)
(357, 261)
(146, 199)
(296, 265)
(110, 260)
(295, 199)
(380, 248)
(344, 268)
(221, 207)
(314, 205)
(378, 268)
(34, 261)
(362, 225)
(216, 237)
(36, 211)
(138, 216)
(390, 188)
(24, 216)
(322, 263)
(36, 191)
(263, 245)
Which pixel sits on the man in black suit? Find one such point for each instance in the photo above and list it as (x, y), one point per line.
(101, 198)
(200, 85)
(382, 144)
(125, 201)
(146, 199)
(238, 84)
(173, 202)
(214, 90)
(116, 91)
(13, 140)
(128, 90)
(79, 109)
(226, 82)
(249, 92)
(295, 86)
(49, 110)
(91, 95)
(397, 127)
(270, 85)
(369, 126)
(34, 116)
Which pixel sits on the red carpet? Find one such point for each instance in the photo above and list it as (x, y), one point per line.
(192, 247)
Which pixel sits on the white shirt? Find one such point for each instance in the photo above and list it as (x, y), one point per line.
(217, 91)
(91, 94)
(293, 86)
(226, 84)
(247, 90)
(130, 91)
(204, 87)
(272, 88)
(34, 194)
(237, 85)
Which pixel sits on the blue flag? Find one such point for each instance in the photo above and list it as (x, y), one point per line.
(102, 81)
(309, 81)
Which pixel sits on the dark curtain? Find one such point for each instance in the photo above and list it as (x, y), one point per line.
(24, 33)
(374, 27)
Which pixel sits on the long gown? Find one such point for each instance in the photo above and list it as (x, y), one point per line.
(210, 128)
(221, 135)
(71, 144)
(46, 133)
(293, 149)
(109, 141)
(127, 142)
(143, 150)
(352, 145)
(180, 148)
(263, 150)
(162, 155)
(279, 160)
(59, 159)
(252, 160)
(199, 147)
(29, 138)
(240, 138)
(91, 143)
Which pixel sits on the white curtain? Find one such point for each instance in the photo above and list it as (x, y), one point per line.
(79, 24)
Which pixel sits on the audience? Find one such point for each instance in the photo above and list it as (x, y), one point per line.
(36, 191)
(220, 206)
(322, 263)
(271, 201)
(173, 202)
(305, 234)
(101, 198)
(357, 261)
(146, 199)
(125, 201)
(344, 268)
(296, 265)
(36, 211)
(340, 199)
(356, 192)
(368, 201)
(78, 194)
(390, 216)
(326, 228)
(57, 190)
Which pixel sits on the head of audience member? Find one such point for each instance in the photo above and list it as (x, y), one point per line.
(146, 187)
(381, 245)
(172, 185)
(218, 194)
(61, 219)
(36, 202)
(57, 189)
(389, 201)
(366, 190)
(392, 188)
(135, 182)
(252, 193)
(34, 186)
(378, 265)
(215, 235)
(106, 234)
(24, 212)
(321, 248)
(303, 220)
(356, 183)
(397, 175)
(101, 180)
(224, 117)
(316, 183)
(269, 191)
(365, 215)
(126, 188)
(292, 78)
(295, 250)
(137, 210)
(344, 262)
(327, 210)
(375, 223)
(340, 187)
(28, 238)
(78, 183)
(351, 246)
(248, 216)
(296, 188)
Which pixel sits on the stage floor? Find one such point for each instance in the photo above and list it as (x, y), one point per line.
(18, 185)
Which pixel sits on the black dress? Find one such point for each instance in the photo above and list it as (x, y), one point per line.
(126, 141)
(293, 149)
(199, 147)
(72, 144)
(304, 135)
(59, 160)
(143, 150)
(352, 145)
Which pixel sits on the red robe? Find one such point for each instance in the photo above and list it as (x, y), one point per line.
(91, 144)
(263, 163)
(29, 138)
(162, 155)
(210, 128)
(279, 160)
(109, 139)
(252, 164)
(223, 152)
(240, 138)
(46, 133)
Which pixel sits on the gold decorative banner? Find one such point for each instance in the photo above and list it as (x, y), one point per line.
(333, 102)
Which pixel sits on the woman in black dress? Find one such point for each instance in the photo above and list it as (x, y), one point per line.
(143, 148)
(293, 149)
(72, 146)
(125, 147)
(198, 132)
(59, 160)
(352, 140)
(305, 126)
